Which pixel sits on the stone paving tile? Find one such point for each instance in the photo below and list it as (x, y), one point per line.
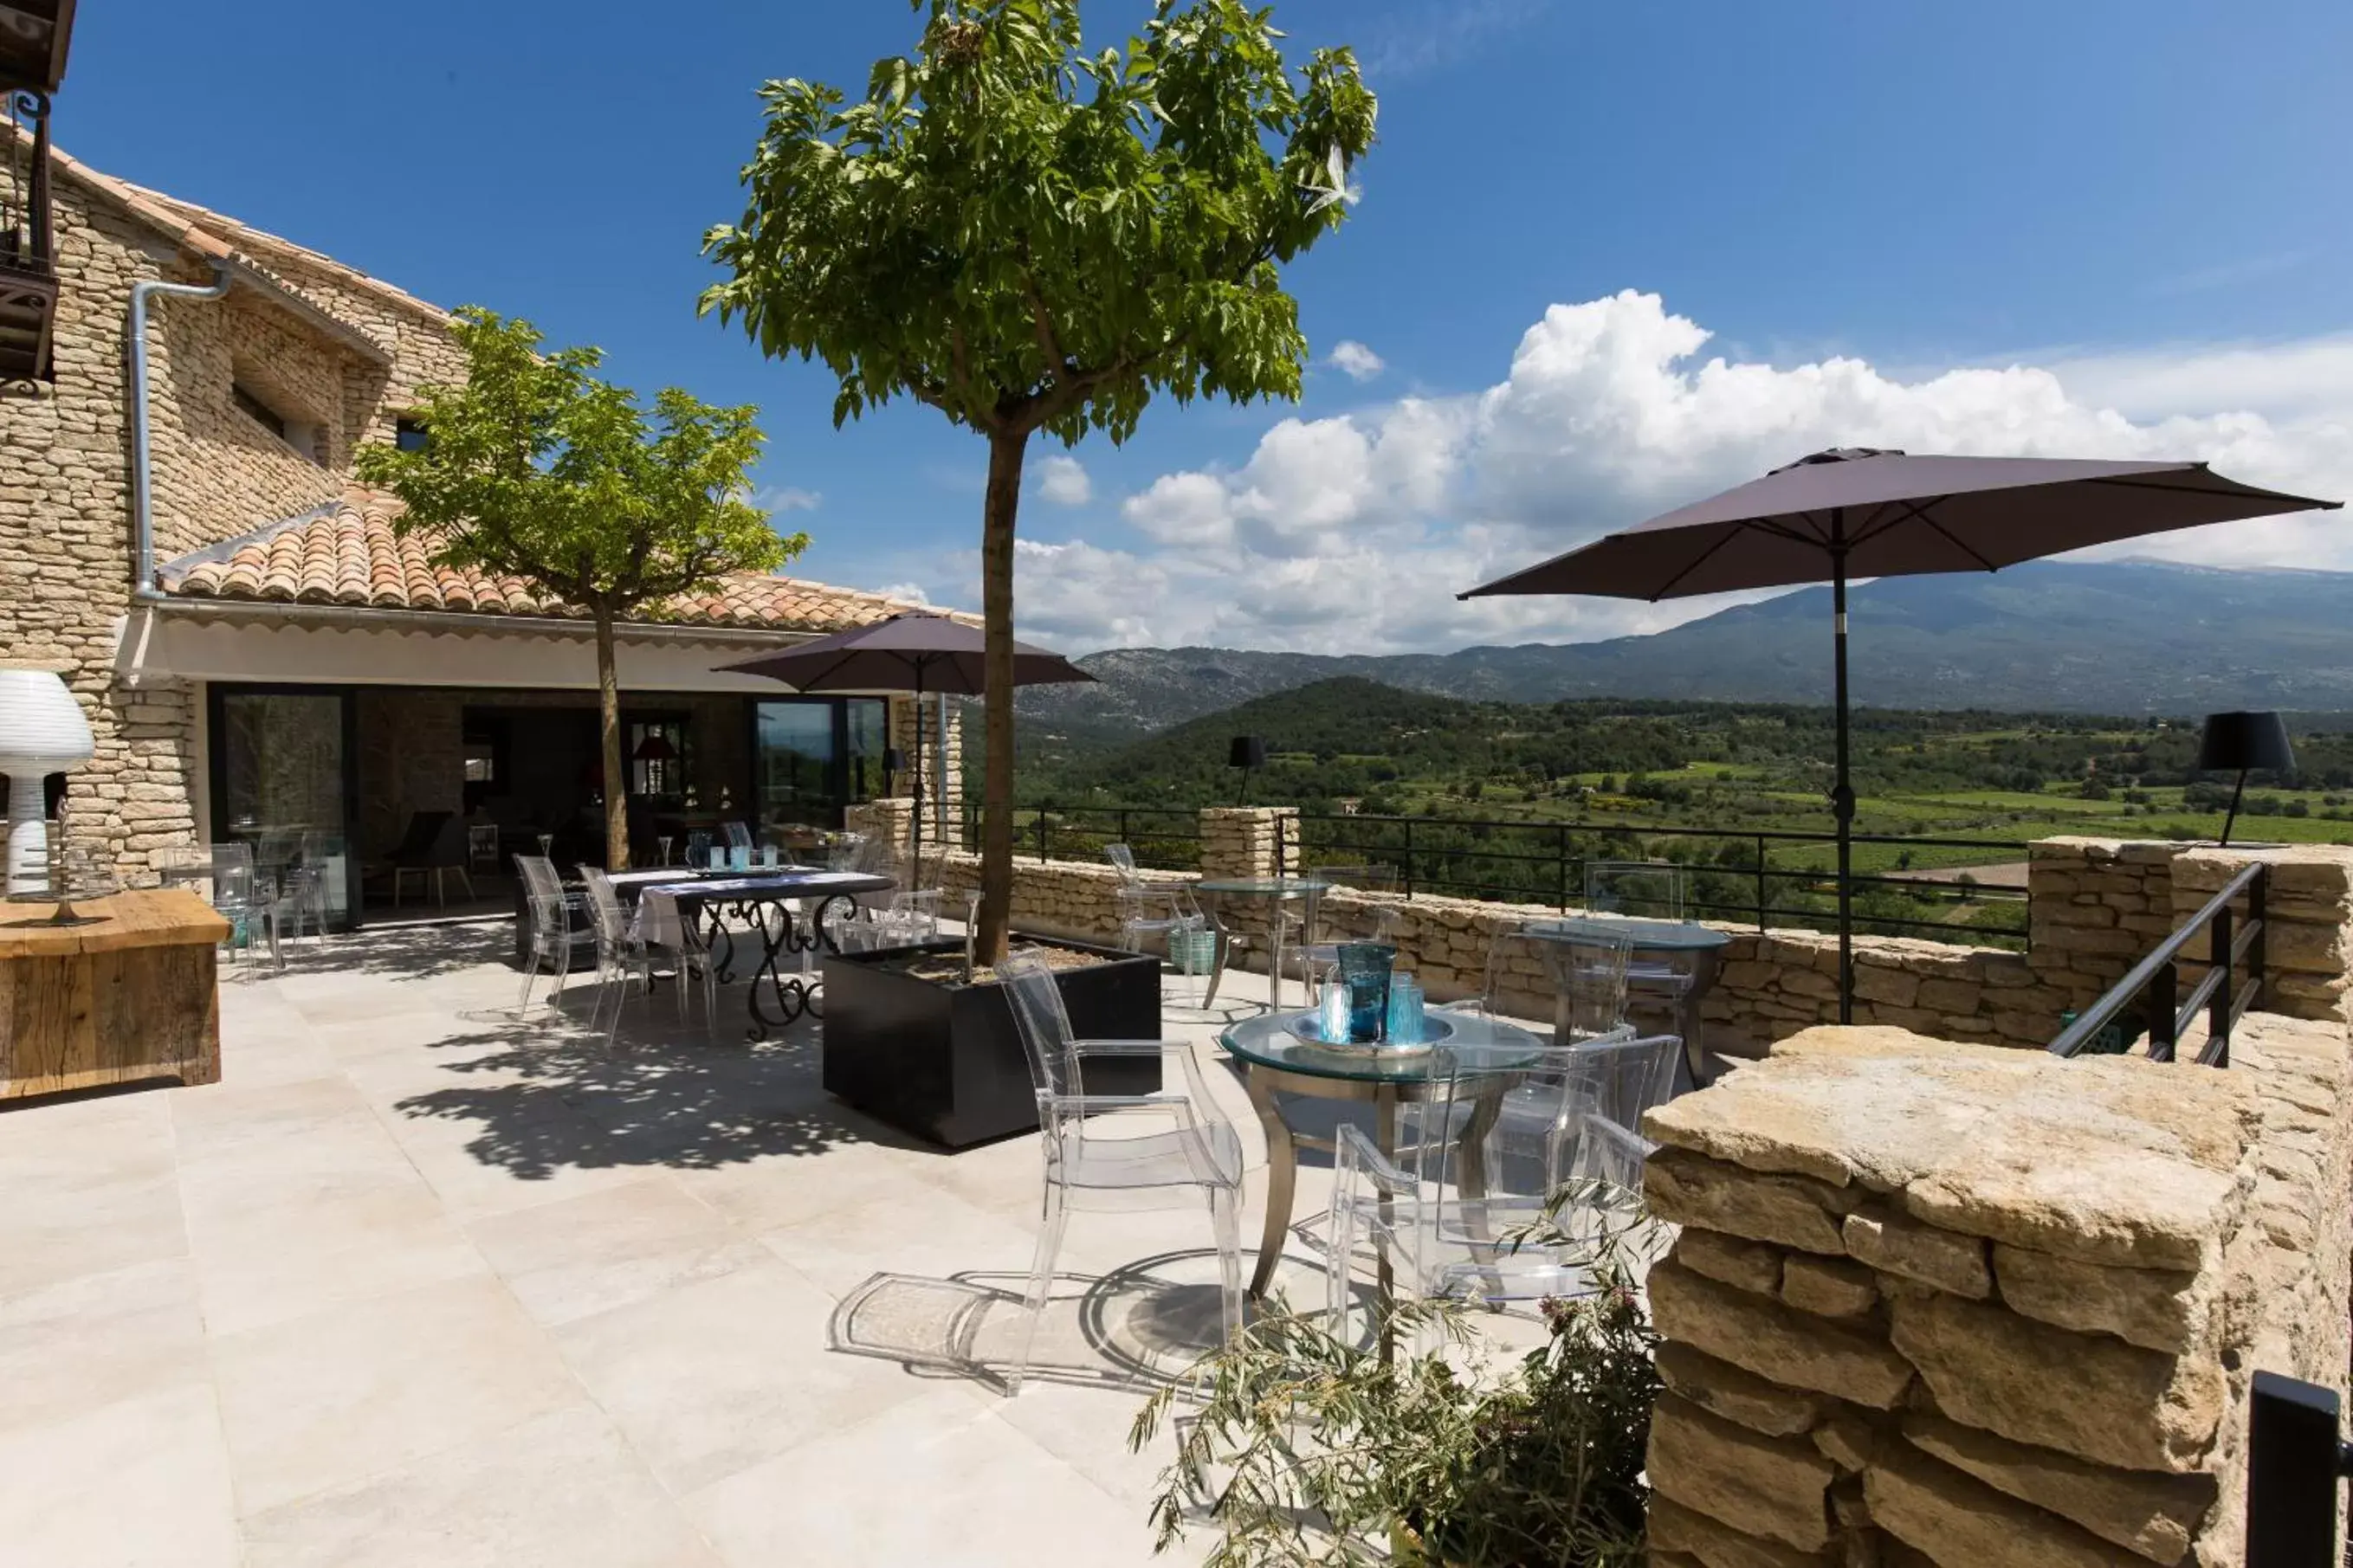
(141, 1481)
(560, 1490)
(581, 1256)
(422, 1281)
(352, 1390)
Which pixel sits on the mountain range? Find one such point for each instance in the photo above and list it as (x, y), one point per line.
(2124, 637)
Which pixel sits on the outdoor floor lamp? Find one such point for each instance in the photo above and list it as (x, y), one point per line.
(2243, 742)
(1248, 753)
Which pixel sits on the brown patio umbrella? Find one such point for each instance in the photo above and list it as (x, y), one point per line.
(918, 651)
(1856, 511)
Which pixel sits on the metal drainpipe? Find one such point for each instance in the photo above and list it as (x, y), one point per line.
(142, 482)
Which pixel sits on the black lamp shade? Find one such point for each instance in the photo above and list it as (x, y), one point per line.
(655, 748)
(1247, 751)
(2243, 742)
(894, 761)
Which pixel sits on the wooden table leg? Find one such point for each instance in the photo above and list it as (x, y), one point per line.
(1282, 1181)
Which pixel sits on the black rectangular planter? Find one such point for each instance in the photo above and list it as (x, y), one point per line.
(945, 1062)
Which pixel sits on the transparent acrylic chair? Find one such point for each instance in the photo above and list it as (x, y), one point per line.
(1508, 1226)
(1147, 907)
(553, 936)
(621, 953)
(1652, 889)
(664, 928)
(1319, 949)
(1119, 1152)
(1647, 890)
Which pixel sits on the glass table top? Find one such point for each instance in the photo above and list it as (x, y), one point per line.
(1264, 886)
(1648, 935)
(1479, 1044)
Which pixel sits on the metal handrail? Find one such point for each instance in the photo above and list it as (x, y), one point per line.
(2159, 977)
(1761, 909)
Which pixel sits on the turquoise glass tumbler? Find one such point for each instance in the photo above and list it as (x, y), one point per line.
(1364, 967)
(1405, 1009)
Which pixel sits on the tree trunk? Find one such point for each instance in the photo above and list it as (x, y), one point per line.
(616, 783)
(1003, 505)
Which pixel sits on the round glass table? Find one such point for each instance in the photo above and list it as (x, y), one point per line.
(1275, 1061)
(1274, 889)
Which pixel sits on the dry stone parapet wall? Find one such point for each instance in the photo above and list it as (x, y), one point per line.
(1937, 1302)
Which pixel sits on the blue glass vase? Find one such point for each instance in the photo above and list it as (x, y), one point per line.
(1365, 970)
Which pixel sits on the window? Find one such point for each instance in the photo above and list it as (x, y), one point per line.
(305, 436)
(658, 758)
(409, 434)
(261, 413)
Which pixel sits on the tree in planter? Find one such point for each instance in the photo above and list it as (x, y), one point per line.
(535, 468)
(1030, 238)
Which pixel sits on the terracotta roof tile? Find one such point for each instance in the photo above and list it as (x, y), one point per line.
(346, 552)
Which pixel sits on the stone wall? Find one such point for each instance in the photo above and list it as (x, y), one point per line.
(943, 760)
(1949, 1304)
(2096, 906)
(65, 501)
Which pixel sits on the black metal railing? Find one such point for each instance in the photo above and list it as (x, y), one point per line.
(28, 238)
(1164, 837)
(2295, 1459)
(1730, 873)
(2233, 939)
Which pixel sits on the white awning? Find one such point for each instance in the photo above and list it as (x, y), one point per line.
(312, 645)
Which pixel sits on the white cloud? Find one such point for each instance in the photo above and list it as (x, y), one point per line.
(1352, 533)
(786, 498)
(910, 592)
(1063, 480)
(1355, 361)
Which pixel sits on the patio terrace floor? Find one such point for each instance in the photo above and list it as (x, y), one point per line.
(417, 1285)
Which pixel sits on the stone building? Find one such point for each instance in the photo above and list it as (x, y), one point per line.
(260, 656)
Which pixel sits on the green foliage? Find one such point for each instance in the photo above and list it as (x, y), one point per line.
(536, 468)
(1305, 1449)
(1026, 236)
(1029, 237)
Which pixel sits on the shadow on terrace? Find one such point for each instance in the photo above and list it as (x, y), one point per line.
(546, 1093)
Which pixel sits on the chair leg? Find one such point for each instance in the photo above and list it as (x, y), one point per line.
(1225, 1223)
(1042, 1280)
(530, 976)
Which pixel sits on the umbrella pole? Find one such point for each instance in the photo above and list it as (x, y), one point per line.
(915, 870)
(1842, 793)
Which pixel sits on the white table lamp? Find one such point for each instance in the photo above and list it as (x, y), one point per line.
(42, 732)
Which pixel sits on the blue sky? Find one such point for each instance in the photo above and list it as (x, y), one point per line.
(2000, 226)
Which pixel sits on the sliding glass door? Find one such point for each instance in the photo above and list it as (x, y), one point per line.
(283, 782)
(811, 756)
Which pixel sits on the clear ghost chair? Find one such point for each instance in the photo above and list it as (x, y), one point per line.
(552, 935)
(1319, 949)
(664, 928)
(1510, 1227)
(1120, 1151)
(1588, 972)
(1145, 907)
(1652, 889)
(621, 953)
(1518, 966)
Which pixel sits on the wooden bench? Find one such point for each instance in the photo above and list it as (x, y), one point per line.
(129, 994)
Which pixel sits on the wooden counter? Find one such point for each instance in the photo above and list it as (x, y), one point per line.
(132, 994)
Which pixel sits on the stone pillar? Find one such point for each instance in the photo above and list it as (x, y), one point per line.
(891, 819)
(1980, 1308)
(1240, 840)
(2308, 907)
(2095, 908)
(943, 761)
